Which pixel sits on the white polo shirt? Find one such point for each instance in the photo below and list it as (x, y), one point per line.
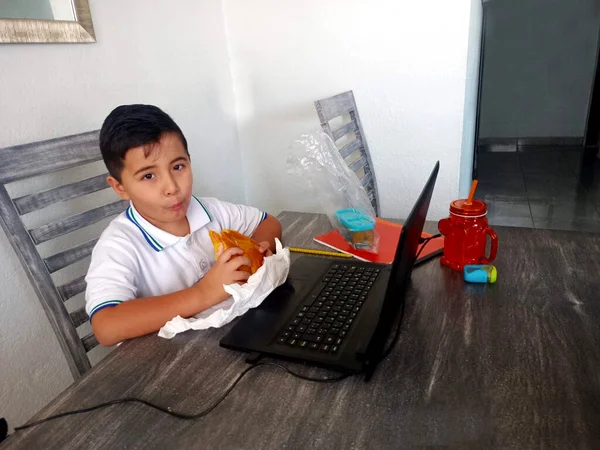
(135, 259)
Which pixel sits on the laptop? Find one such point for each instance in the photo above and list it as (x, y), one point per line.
(335, 313)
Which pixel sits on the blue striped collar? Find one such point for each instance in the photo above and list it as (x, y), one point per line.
(159, 239)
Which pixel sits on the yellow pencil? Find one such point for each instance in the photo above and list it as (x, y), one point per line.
(310, 251)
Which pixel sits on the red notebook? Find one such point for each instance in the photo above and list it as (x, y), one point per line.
(389, 234)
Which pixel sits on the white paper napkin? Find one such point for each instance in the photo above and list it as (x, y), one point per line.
(271, 274)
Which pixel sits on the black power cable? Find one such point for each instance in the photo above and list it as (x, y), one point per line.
(179, 415)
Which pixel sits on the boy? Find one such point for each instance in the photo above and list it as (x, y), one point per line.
(156, 260)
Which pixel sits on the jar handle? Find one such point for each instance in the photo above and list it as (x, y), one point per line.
(494, 250)
(445, 226)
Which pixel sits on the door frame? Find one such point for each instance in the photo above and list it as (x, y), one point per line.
(479, 89)
(591, 137)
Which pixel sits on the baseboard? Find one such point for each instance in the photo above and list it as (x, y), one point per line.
(566, 141)
(497, 147)
(527, 144)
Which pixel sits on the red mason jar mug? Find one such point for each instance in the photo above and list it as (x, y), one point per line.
(466, 232)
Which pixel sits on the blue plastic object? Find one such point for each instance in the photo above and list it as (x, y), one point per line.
(485, 273)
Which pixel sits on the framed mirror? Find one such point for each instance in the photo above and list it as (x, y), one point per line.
(45, 21)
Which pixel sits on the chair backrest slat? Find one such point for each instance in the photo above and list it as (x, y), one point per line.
(371, 195)
(344, 105)
(350, 148)
(89, 342)
(25, 161)
(358, 164)
(72, 288)
(350, 127)
(78, 317)
(68, 257)
(366, 180)
(75, 222)
(29, 160)
(33, 202)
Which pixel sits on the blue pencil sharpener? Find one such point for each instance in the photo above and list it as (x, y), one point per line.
(484, 273)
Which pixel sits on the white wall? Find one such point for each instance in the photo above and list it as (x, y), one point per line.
(174, 57)
(471, 92)
(406, 62)
(538, 67)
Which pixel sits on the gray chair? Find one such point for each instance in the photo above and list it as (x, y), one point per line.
(355, 151)
(31, 160)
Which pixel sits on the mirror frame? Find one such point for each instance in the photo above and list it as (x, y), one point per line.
(50, 31)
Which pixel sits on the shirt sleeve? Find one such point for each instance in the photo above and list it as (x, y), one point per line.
(241, 218)
(111, 277)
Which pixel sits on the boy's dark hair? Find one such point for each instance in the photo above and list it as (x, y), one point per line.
(130, 126)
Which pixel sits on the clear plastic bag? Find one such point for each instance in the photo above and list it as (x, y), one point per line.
(315, 158)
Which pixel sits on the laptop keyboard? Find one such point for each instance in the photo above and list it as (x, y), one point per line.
(323, 322)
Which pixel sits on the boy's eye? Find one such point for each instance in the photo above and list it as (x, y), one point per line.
(148, 176)
(178, 166)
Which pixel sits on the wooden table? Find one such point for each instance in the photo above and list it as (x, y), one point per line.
(510, 365)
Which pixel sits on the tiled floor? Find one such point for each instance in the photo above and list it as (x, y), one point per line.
(542, 188)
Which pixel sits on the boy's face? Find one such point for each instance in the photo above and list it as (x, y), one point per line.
(159, 184)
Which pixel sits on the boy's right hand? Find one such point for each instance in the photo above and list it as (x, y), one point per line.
(225, 271)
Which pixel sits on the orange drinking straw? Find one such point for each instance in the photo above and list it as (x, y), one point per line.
(472, 193)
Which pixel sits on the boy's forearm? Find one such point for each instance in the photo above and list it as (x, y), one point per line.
(268, 230)
(142, 316)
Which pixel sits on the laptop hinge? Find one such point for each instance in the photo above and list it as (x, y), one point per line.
(254, 357)
(368, 370)
(367, 367)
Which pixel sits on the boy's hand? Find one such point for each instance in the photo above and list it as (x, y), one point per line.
(225, 271)
(264, 248)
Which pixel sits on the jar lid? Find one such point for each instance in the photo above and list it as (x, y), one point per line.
(476, 208)
(355, 220)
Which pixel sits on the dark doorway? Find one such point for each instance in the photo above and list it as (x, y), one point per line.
(539, 114)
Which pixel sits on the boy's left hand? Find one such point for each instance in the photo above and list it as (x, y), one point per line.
(263, 247)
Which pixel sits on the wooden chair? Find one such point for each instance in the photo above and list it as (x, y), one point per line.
(355, 151)
(31, 160)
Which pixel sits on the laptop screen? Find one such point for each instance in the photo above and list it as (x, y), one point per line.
(406, 253)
